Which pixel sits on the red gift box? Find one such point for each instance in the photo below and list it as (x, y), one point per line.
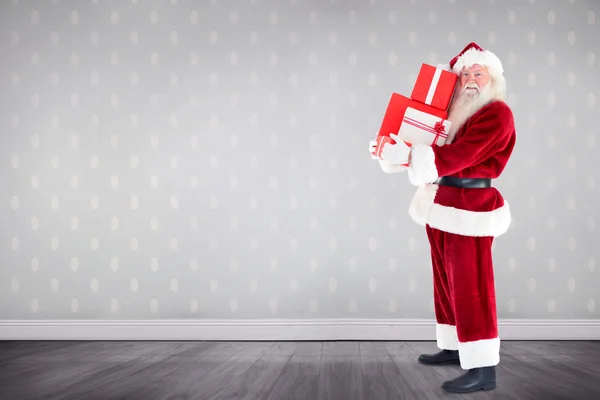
(394, 114)
(394, 117)
(434, 87)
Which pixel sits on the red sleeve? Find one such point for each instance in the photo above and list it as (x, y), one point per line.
(489, 131)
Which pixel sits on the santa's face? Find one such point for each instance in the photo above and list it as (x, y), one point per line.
(474, 90)
(473, 79)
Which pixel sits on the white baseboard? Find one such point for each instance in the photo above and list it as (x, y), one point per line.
(320, 329)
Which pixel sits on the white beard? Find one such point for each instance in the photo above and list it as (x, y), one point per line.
(465, 104)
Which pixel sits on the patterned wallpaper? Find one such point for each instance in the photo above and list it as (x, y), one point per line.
(208, 159)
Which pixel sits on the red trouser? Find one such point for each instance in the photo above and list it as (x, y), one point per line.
(465, 297)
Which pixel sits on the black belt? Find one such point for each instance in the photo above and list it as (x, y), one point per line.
(467, 183)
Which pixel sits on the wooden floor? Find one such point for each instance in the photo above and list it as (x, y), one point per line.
(283, 371)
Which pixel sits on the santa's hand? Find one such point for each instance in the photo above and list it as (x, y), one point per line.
(372, 148)
(395, 153)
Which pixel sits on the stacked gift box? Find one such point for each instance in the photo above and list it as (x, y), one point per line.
(422, 118)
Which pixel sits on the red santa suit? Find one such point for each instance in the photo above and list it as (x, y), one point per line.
(461, 223)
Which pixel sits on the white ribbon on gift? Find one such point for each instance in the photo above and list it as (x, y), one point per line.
(433, 86)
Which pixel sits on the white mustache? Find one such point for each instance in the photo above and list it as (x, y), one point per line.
(471, 86)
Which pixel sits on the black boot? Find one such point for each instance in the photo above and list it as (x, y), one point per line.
(473, 380)
(441, 358)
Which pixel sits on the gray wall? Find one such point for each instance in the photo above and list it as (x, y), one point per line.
(208, 159)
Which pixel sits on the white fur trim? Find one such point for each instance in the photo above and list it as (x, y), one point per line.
(474, 56)
(446, 337)
(422, 168)
(470, 223)
(422, 203)
(424, 211)
(480, 353)
(391, 168)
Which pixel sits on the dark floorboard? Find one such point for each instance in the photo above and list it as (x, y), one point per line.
(343, 370)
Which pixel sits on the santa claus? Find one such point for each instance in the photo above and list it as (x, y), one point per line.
(462, 213)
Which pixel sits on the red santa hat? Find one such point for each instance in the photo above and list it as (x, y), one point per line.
(474, 54)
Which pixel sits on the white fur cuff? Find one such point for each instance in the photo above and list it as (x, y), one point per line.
(390, 168)
(480, 353)
(446, 337)
(422, 168)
